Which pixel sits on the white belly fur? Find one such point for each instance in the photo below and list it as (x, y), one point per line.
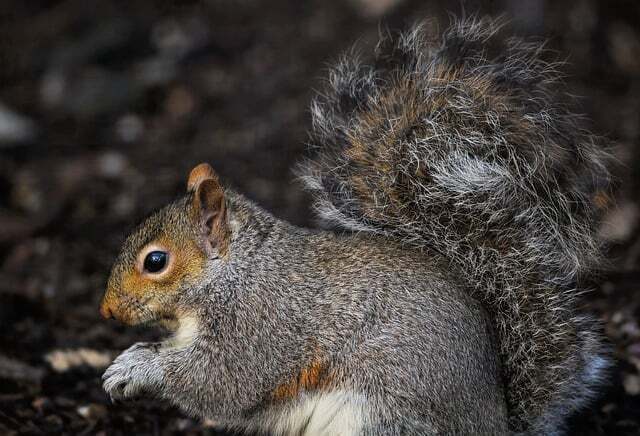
(319, 414)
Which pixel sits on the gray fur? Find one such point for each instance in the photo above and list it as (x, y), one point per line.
(462, 181)
(409, 341)
(459, 144)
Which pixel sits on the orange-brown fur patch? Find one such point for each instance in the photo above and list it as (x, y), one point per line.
(312, 377)
(139, 293)
(200, 173)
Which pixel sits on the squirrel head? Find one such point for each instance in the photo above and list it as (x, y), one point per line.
(168, 254)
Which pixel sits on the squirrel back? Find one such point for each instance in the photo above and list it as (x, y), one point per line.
(457, 145)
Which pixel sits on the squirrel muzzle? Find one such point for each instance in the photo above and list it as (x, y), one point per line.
(105, 311)
(111, 309)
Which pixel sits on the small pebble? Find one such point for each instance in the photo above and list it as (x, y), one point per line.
(632, 384)
(92, 412)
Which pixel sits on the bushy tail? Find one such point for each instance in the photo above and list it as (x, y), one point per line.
(454, 143)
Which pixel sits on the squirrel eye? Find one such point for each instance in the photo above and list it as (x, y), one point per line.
(155, 261)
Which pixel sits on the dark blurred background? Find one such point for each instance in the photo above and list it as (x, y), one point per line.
(106, 105)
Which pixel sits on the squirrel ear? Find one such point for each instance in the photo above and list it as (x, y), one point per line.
(210, 212)
(200, 173)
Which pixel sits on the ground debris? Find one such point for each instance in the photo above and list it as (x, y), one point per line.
(115, 105)
(64, 360)
(14, 369)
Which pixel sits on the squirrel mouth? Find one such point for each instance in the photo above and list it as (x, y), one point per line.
(166, 323)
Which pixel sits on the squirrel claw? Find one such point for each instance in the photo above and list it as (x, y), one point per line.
(131, 373)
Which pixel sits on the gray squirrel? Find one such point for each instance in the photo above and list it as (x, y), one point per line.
(462, 200)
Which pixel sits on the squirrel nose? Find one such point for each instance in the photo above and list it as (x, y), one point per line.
(105, 311)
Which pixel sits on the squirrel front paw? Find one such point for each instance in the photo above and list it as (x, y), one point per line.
(133, 372)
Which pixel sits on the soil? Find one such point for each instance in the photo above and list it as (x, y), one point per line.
(106, 105)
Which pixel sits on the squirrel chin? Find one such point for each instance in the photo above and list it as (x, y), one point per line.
(185, 329)
(169, 324)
